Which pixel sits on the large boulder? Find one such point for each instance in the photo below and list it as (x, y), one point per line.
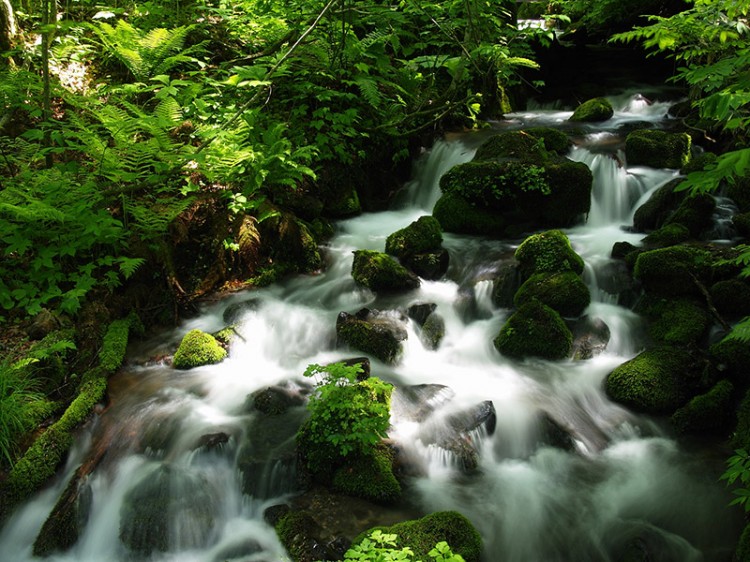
(563, 291)
(707, 412)
(421, 535)
(380, 272)
(198, 348)
(513, 145)
(674, 271)
(731, 356)
(659, 206)
(731, 297)
(548, 252)
(674, 321)
(369, 476)
(535, 330)
(418, 246)
(457, 214)
(657, 149)
(593, 110)
(372, 332)
(658, 381)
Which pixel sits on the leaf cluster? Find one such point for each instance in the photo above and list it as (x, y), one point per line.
(382, 547)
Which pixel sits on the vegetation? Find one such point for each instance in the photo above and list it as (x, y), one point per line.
(198, 348)
(381, 547)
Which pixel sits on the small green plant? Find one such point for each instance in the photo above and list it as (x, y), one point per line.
(381, 547)
(348, 415)
(18, 391)
(738, 468)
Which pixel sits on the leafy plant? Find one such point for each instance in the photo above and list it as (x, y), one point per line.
(348, 415)
(18, 393)
(738, 469)
(381, 547)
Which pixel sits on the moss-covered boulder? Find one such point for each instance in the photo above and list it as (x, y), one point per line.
(674, 271)
(291, 243)
(369, 477)
(421, 236)
(548, 252)
(657, 149)
(301, 536)
(430, 265)
(695, 213)
(421, 535)
(377, 334)
(555, 141)
(534, 330)
(432, 331)
(667, 235)
(456, 214)
(674, 321)
(513, 145)
(659, 206)
(654, 382)
(563, 291)
(198, 348)
(707, 412)
(731, 297)
(380, 272)
(593, 110)
(731, 357)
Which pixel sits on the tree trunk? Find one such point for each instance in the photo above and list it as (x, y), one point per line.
(7, 27)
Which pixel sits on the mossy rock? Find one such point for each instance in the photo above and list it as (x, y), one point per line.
(674, 321)
(659, 206)
(548, 252)
(369, 477)
(667, 235)
(430, 266)
(555, 140)
(570, 184)
(340, 200)
(657, 149)
(593, 110)
(422, 236)
(380, 272)
(731, 297)
(706, 412)
(433, 331)
(299, 533)
(421, 535)
(456, 214)
(535, 330)
(732, 357)
(653, 382)
(198, 348)
(380, 337)
(694, 213)
(673, 271)
(292, 243)
(563, 291)
(698, 163)
(513, 145)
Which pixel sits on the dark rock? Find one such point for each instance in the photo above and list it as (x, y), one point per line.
(483, 414)
(418, 402)
(431, 266)
(553, 434)
(380, 272)
(212, 440)
(709, 412)
(69, 517)
(590, 338)
(419, 312)
(731, 298)
(43, 324)
(621, 249)
(657, 209)
(234, 312)
(276, 400)
(422, 236)
(505, 285)
(657, 149)
(273, 514)
(432, 331)
(372, 332)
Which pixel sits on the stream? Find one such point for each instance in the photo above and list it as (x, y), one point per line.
(625, 482)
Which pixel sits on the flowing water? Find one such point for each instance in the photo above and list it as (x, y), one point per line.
(624, 485)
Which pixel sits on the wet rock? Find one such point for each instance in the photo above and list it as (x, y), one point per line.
(235, 312)
(273, 514)
(43, 324)
(534, 330)
(483, 414)
(69, 517)
(553, 434)
(614, 278)
(276, 400)
(431, 266)
(242, 550)
(373, 332)
(432, 331)
(620, 250)
(505, 285)
(422, 236)
(709, 412)
(657, 149)
(417, 402)
(419, 312)
(657, 209)
(593, 110)
(380, 272)
(212, 441)
(563, 291)
(590, 338)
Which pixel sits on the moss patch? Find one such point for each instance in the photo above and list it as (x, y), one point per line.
(380, 272)
(422, 236)
(706, 412)
(456, 214)
(518, 145)
(564, 292)
(548, 252)
(535, 330)
(672, 271)
(674, 321)
(593, 110)
(369, 477)
(657, 149)
(198, 348)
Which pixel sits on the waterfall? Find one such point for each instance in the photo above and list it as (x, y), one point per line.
(564, 474)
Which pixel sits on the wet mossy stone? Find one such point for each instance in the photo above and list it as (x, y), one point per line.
(674, 321)
(555, 140)
(694, 213)
(706, 412)
(456, 214)
(300, 535)
(198, 348)
(731, 357)
(165, 499)
(372, 333)
(513, 145)
(673, 271)
(699, 162)
(430, 266)
(657, 149)
(659, 206)
(593, 110)
(535, 330)
(731, 297)
(380, 272)
(570, 184)
(563, 291)
(369, 477)
(421, 236)
(235, 311)
(421, 535)
(652, 382)
(667, 235)
(548, 252)
(433, 331)
(292, 242)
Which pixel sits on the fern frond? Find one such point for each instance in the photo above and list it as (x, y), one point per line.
(369, 89)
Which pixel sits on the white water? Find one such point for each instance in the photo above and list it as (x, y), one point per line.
(625, 478)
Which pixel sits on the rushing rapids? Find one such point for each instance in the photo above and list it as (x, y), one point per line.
(620, 479)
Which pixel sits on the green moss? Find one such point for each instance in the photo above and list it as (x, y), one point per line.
(674, 321)
(548, 252)
(732, 357)
(369, 477)
(699, 163)
(667, 235)
(564, 292)
(593, 110)
(660, 205)
(535, 330)
(295, 531)
(456, 214)
(421, 535)
(518, 145)
(706, 412)
(695, 213)
(114, 344)
(226, 336)
(380, 272)
(422, 236)
(570, 193)
(657, 149)
(198, 348)
(372, 338)
(555, 140)
(673, 271)
(343, 205)
(731, 297)
(652, 382)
